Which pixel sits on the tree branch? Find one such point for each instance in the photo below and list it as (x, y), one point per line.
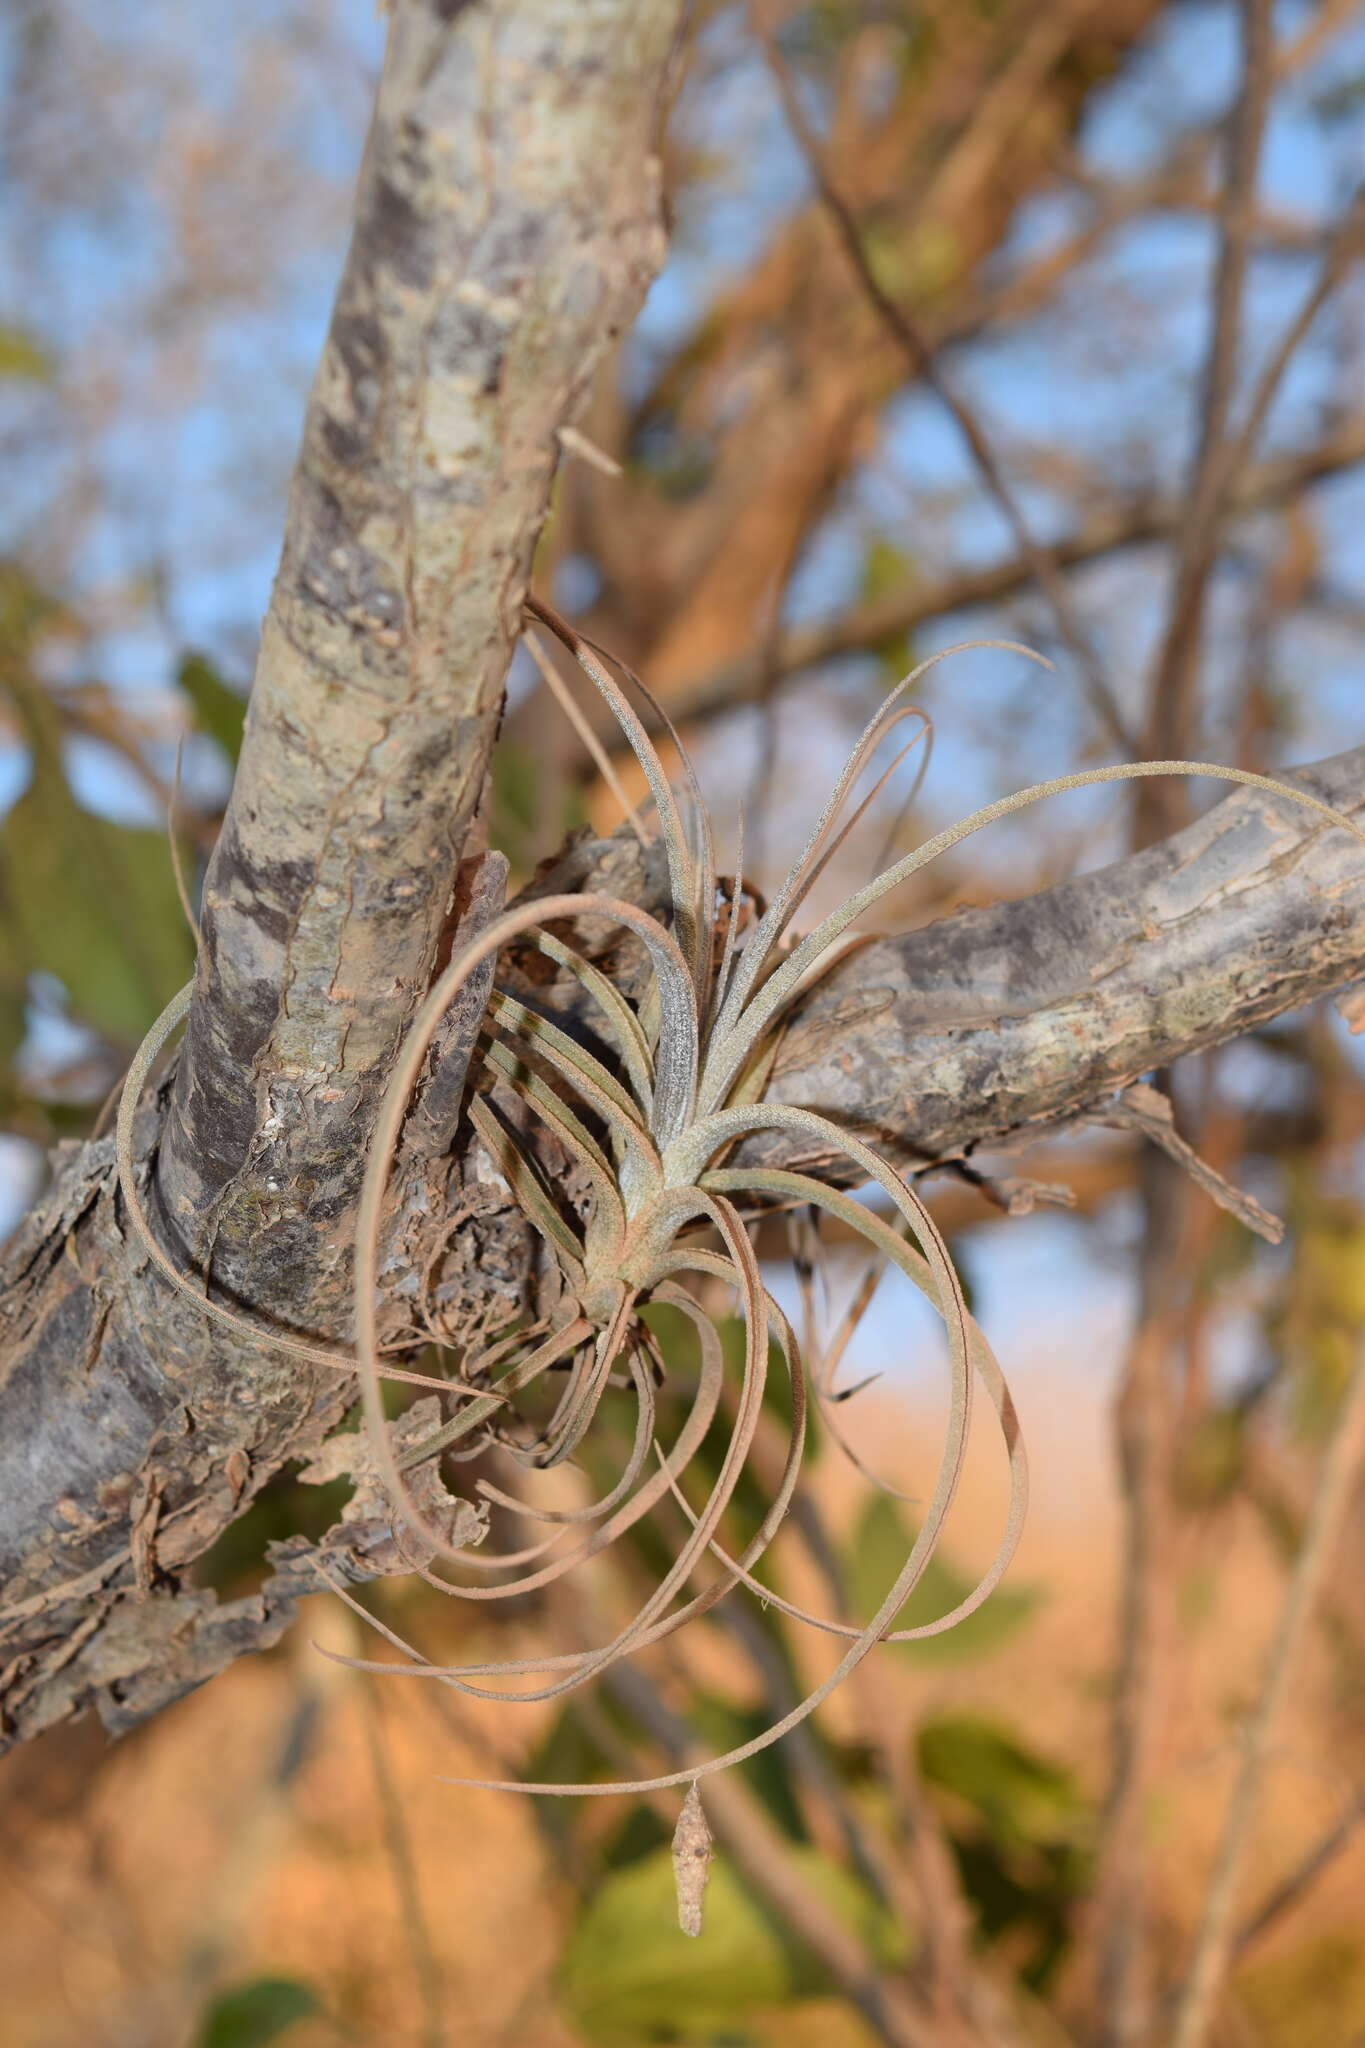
(1215, 1940)
(995, 1023)
(1135, 523)
(507, 223)
(990, 1024)
(918, 351)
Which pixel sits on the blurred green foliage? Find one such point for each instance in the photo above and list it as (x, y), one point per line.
(1312, 1996)
(92, 903)
(23, 357)
(82, 898)
(1211, 1457)
(1021, 1830)
(1323, 1310)
(631, 1976)
(253, 2014)
(881, 1543)
(219, 710)
(236, 1564)
(722, 1725)
(1018, 1823)
(673, 461)
(518, 824)
(886, 570)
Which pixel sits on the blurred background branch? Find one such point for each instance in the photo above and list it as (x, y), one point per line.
(1125, 237)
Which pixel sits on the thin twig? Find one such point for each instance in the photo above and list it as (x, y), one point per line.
(1132, 522)
(952, 1985)
(601, 759)
(919, 353)
(1172, 185)
(1032, 52)
(1116, 1944)
(1172, 691)
(425, 1964)
(1145, 1421)
(761, 782)
(1214, 1942)
(173, 835)
(1301, 1879)
(1342, 247)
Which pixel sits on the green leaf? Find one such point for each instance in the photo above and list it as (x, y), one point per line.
(887, 570)
(24, 357)
(516, 803)
(219, 710)
(1313, 1992)
(630, 1971)
(1024, 1797)
(249, 2015)
(721, 1725)
(93, 903)
(880, 1546)
(13, 989)
(26, 612)
(631, 1976)
(1022, 1834)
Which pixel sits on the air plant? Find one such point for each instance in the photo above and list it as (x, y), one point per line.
(651, 1126)
(651, 1120)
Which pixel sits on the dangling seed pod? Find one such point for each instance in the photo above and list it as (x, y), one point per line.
(693, 1849)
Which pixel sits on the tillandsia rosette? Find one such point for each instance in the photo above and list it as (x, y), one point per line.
(652, 1115)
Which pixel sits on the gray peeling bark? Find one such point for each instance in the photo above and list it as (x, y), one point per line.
(995, 1023)
(506, 225)
(987, 1026)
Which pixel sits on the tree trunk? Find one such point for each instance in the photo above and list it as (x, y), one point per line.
(507, 223)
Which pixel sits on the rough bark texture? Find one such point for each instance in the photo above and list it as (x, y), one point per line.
(988, 1025)
(507, 222)
(506, 225)
(996, 1022)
